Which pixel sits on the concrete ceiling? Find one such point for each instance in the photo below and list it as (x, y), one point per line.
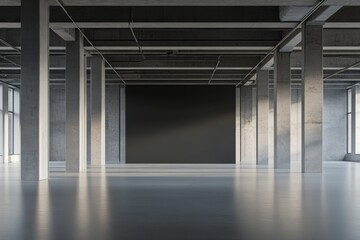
(190, 2)
(182, 44)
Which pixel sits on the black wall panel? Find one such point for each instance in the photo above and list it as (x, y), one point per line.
(180, 124)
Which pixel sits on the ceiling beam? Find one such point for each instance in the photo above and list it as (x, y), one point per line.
(67, 34)
(189, 2)
(170, 3)
(322, 15)
(290, 43)
(160, 25)
(267, 63)
(187, 25)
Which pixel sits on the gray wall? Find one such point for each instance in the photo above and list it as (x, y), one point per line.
(334, 131)
(57, 123)
(180, 124)
(334, 124)
(112, 121)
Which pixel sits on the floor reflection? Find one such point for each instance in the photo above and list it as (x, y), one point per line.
(182, 202)
(82, 208)
(43, 209)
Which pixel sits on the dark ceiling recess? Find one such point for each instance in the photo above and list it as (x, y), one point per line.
(168, 45)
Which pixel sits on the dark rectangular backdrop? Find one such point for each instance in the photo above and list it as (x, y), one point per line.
(180, 124)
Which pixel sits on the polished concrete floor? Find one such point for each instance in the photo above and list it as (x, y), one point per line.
(182, 202)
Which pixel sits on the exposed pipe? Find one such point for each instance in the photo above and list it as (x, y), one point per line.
(342, 70)
(215, 68)
(9, 84)
(9, 45)
(87, 39)
(137, 42)
(10, 61)
(306, 17)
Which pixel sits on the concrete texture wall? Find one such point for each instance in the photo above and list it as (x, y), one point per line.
(248, 124)
(57, 123)
(112, 124)
(334, 125)
(295, 129)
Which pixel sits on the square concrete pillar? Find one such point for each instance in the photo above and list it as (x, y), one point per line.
(97, 111)
(5, 116)
(248, 125)
(34, 89)
(282, 107)
(355, 120)
(122, 125)
(312, 99)
(75, 105)
(262, 114)
(5, 126)
(237, 126)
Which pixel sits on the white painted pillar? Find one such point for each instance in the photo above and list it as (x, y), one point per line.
(312, 99)
(75, 105)
(282, 107)
(237, 127)
(123, 125)
(5, 89)
(97, 111)
(262, 114)
(34, 89)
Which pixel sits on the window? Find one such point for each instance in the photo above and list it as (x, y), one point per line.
(11, 121)
(16, 121)
(349, 116)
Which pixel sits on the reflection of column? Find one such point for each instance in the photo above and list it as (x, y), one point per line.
(262, 114)
(75, 105)
(122, 125)
(237, 127)
(5, 123)
(282, 103)
(34, 89)
(43, 212)
(103, 213)
(97, 111)
(83, 212)
(312, 100)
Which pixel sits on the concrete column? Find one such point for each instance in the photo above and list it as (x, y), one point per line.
(282, 106)
(75, 105)
(355, 119)
(97, 111)
(296, 94)
(122, 125)
(312, 98)
(34, 89)
(237, 127)
(248, 125)
(262, 113)
(5, 89)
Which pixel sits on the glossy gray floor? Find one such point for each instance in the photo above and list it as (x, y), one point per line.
(182, 202)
